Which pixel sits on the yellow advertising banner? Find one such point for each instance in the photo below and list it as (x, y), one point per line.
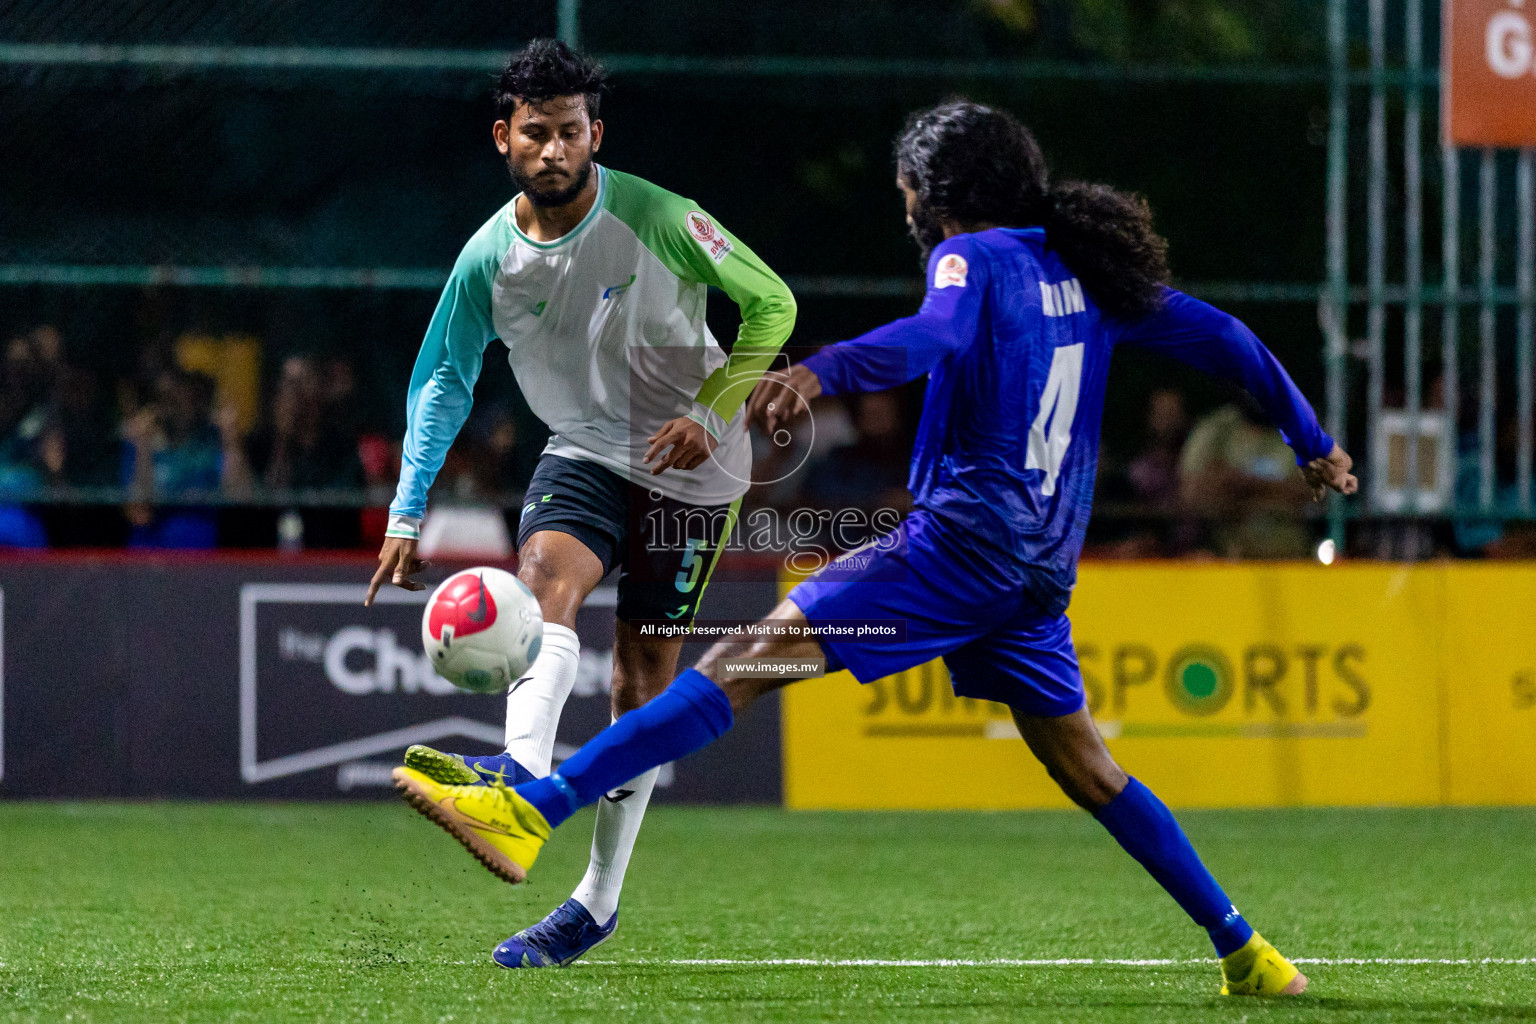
(1222, 686)
(1490, 685)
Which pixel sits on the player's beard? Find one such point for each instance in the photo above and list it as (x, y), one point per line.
(544, 196)
(926, 231)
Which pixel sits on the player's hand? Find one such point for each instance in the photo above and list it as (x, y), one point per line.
(397, 564)
(781, 396)
(1331, 473)
(689, 442)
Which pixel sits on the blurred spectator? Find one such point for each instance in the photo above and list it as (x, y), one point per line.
(47, 354)
(234, 362)
(498, 460)
(78, 450)
(27, 442)
(338, 384)
(380, 458)
(172, 448)
(1149, 484)
(1237, 471)
(1153, 475)
(1403, 538)
(871, 471)
(309, 439)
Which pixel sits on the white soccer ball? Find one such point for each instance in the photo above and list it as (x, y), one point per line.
(482, 629)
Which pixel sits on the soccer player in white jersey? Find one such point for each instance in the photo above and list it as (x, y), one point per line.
(595, 281)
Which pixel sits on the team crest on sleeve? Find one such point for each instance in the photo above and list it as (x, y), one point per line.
(951, 271)
(709, 237)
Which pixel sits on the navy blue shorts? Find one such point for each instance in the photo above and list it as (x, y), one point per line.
(665, 548)
(997, 643)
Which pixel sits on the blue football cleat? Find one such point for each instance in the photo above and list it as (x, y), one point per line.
(566, 934)
(466, 770)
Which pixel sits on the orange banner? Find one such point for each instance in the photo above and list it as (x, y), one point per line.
(1488, 71)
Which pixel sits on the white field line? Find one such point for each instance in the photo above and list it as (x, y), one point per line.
(1063, 962)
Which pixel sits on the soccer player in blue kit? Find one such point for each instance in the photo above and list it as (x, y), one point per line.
(1030, 287)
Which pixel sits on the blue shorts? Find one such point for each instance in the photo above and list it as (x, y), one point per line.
(996, 642)
(662, 577)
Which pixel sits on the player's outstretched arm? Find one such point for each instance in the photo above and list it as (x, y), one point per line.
(900, 351)
(767, 319)
(1218, 343)
(437, 404)
(694, 246)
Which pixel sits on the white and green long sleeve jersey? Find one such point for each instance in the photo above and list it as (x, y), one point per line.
(605, 332)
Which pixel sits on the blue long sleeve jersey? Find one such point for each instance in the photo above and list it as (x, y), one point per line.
(1017, 358)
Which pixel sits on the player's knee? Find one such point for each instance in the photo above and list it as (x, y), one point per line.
(536, 568)
(558, 596)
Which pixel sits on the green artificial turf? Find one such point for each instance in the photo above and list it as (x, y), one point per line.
(311, 912)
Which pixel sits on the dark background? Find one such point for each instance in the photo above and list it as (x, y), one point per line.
(395, 169)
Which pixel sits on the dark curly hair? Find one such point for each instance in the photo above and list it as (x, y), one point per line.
(547, 68)
(975, 164)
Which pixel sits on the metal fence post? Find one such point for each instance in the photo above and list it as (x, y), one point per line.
(1336, 303)
(569, 21)
(1376, 241)
(1450, 313)
(1525, 284)
(1413, 240)
(1487, 318)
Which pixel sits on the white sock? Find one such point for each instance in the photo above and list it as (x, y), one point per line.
(613, 840)
(534, 703)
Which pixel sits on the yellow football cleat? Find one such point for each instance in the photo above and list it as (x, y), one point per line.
(502, 830)
(1258, 969)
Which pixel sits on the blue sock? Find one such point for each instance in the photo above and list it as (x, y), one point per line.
(687, 715)
(1144, 826)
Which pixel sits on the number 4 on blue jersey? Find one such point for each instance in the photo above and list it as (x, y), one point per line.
(1017, 357)
(1051, 432)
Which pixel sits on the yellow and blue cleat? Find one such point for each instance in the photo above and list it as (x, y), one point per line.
(466, 769)
(503, 831)
(1258, 969)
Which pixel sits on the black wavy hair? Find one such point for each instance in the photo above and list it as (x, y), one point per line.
(975, 164)
(547, 68)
